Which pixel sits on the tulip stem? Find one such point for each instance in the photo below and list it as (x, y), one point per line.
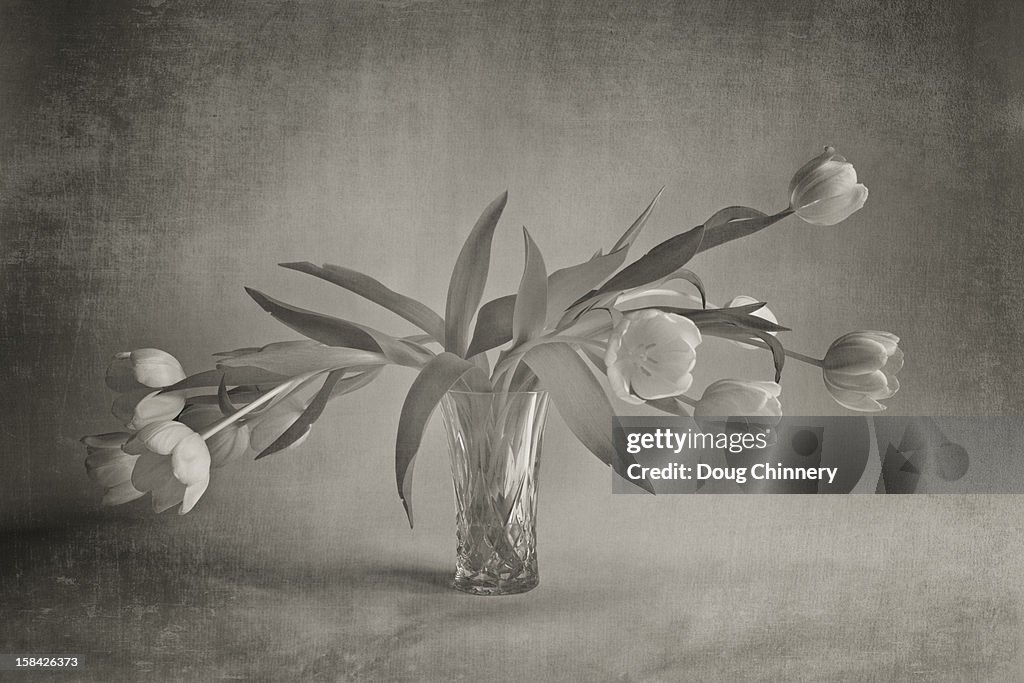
(789, 353)
(265, 398)
(683, 398)
(806, 359)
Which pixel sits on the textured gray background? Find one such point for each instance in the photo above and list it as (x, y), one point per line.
(156, 156)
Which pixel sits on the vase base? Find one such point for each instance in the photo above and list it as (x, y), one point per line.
(492, 587)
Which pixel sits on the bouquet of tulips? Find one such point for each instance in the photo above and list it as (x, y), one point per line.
(637, 327)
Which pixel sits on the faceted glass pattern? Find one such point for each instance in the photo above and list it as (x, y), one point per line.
(495, 440)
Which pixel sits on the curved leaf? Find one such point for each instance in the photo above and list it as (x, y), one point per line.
(299, 357)
(581, 402)
(232, 376)
(367, 287)
(662, 260)
(736, 222)
(310, 415)
(469, 277)
(493, 325)
(626, 241)
(343, 333)
(437, 377)
(531, 304)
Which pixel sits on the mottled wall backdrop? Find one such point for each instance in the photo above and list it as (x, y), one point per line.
(157, 156)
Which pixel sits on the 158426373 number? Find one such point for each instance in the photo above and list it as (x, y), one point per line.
(45, 662)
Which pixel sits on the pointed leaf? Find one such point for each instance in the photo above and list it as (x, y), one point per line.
(317, 326)
(469, 277)
(493, 325)
(626, 241)
(234, 376)
(735, 222)
(365, 286)
(343, 333)
(567, 285)
(581, 402)
(530, 309)
(437, 377)
(299, 357)
(669, 256)
(310, 415)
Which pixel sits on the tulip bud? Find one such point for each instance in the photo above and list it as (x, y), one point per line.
(825, 190)
(651, 355)
(740, 398)
(146, 367)
(860, 369)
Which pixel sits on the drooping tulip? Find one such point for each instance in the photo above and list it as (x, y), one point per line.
(170, 448)
(860, 369)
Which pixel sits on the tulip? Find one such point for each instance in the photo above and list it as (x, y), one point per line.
(151, 368)
(825, 190)
(109, 466)
(137, 409)
(651, 355)
(860, 369)
(173, 464)
(739, 398)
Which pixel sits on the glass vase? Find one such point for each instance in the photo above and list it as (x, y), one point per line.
(494, 440)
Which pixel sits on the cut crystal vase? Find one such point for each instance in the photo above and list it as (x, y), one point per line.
(494, 440)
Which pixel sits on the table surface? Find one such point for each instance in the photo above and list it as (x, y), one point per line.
(709, 588)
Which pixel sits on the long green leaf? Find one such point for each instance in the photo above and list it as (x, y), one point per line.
(565, 286)
(581, 402)
(469, 278)
(437, 377)
(338, 332)
(736, 222)
(233, 376)
(669, 256)
(628, 237)
(530, 310)
(299, 357)
(310, 415)
(365, 286)
(493, 325)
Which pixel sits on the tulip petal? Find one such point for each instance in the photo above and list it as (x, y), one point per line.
(156, 368)
(617, 380)
(190, 460)
(110, 468)
(162, 437)
(121, 493)
(110, 440)
(192, 495)
(150, 471)
(156, 407)
(648, 385)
